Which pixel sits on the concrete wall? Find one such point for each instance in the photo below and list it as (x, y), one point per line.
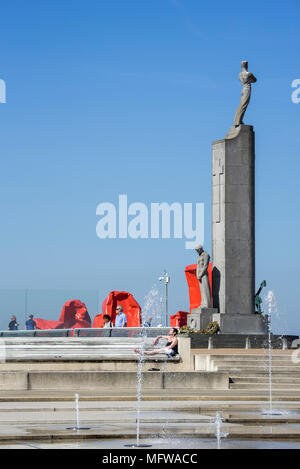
(101, 380)
(151, 380)
(13, 380)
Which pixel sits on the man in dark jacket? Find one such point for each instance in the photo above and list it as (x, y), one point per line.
(13, 325)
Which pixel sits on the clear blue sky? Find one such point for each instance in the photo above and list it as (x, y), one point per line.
(125, 97)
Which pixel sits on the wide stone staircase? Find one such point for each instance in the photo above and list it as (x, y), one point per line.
(92, 364)
(251, 370)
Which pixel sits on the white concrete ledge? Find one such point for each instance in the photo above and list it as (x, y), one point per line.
(151, 380)
(113, 352)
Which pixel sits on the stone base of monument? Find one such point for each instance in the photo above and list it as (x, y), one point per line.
(200, 318)
(243, 323)
(254, 323)
(242, 341)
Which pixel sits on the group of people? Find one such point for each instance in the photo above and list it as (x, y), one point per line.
(30, 324)
(121, 319)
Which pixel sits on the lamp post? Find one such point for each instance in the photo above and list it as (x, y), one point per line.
(26, 307)
(166, 279)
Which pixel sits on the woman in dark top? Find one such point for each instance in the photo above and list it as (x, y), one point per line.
(107, 321)
(170, 349)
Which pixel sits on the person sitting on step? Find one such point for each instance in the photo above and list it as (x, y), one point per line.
(170, 349)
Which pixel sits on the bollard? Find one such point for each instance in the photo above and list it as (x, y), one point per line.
(248, 343)
(284, 344)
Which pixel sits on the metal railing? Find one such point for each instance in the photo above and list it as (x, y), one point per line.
(122, 332)
(38, 333)
(91, 332)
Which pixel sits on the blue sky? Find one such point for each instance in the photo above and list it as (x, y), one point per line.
(125, 97)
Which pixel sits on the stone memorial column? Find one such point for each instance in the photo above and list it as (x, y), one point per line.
(233, 232)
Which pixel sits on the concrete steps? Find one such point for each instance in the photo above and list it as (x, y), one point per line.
(265, 379)
(250, 371)
(280, 381)
(251, 359)
(265, 387)
(280, 362)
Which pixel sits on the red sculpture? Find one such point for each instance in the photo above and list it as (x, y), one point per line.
(179, 319)
(130, 306)
(74, 315)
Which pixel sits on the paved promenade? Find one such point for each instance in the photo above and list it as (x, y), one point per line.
(40, 418)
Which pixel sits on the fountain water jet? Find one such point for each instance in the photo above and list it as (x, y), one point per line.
(152, 306)
(78, 427)
(271, 307)
(141, 359)
(219, 434)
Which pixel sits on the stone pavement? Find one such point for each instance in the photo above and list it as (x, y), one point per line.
(38, 418)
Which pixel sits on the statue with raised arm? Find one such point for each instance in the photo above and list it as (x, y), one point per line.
(202, 276)
(257, 299)
(246, 78)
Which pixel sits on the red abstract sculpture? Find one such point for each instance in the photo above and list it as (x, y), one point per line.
(74, 315)
(193, 284)
(179, 319)
(130, 306)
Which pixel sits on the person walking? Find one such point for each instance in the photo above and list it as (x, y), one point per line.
(30, 324)
(107, 321)
(148, 322)
(13, 325)
(121, 318)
